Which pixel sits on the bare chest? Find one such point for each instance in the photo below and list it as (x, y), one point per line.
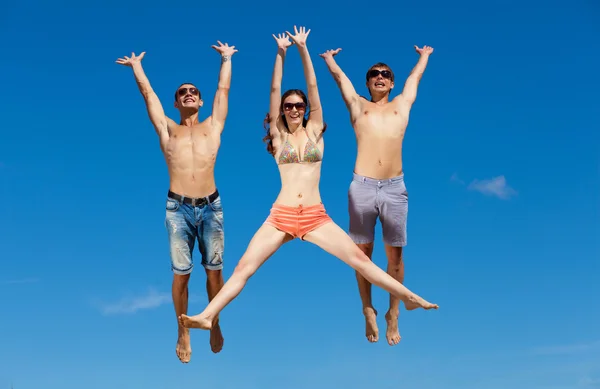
(197, 141)
(381, 122)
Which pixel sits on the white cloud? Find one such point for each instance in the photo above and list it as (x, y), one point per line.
(132, 304)
(455, 178)
(496, 186)
(19, 281)
(590, 382)
(567, 349)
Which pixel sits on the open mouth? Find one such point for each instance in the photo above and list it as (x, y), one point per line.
(379, 83)
(188, 100)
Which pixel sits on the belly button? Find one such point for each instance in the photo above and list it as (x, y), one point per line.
(299, 195)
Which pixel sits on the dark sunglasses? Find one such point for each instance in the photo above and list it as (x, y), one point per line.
(289, 106)
(184, 91)
(384, 73)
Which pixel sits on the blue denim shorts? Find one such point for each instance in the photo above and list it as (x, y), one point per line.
(186, 224)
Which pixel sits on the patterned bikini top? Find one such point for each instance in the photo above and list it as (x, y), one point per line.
(289, 154)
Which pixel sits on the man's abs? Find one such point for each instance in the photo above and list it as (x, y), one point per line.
(379, 142)
(379, 159)
(191, 163)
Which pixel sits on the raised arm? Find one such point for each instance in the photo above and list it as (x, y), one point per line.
(316, 111)
(221, 102)
(283, 43)
(409, 93)
(153, 105)
(351, 98)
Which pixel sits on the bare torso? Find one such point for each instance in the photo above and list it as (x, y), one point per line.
(299, 181)
(190, 153)
(379, 133)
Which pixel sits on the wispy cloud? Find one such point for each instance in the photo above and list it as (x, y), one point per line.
(590, 382)
(19, 281)
(455, 178)
(496, 186)
(132, 304)
(567, 349)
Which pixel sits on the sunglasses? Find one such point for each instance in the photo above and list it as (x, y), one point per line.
(384, 73)
(299, 106)
(184, 91)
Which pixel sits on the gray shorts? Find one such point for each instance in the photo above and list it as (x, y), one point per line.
(368, 199)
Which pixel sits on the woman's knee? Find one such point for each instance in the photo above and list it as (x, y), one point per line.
(359, 260)
(244, 269)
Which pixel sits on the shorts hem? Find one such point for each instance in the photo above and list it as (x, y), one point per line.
(321, 224)
(361, 240)
(213, 267)
(395, 243)
(182, 272)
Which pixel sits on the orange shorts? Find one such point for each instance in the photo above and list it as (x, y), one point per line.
(297, 221)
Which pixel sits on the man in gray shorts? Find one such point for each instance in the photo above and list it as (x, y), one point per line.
(377, 188)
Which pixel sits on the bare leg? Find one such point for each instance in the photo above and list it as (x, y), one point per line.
(265, 243)
(331, 238)
(214, 283)
(364, 289)
(396, 270)
(179, 290)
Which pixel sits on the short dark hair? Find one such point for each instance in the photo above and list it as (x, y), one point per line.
(380, 65)
(188, 83)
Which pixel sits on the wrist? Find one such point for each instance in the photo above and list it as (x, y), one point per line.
(225, 58)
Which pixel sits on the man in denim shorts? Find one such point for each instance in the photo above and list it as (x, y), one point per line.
(194, 214)
(378, 189)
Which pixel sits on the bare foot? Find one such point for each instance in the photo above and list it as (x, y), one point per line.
(372, 332)
(184, 348)
(216, 339)
(392, 334)
(195, 322)
(414, 302)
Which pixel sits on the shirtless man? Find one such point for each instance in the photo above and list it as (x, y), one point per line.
(193, 205)
(378, 189)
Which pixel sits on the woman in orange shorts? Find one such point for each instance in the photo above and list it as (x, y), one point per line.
(296, 143)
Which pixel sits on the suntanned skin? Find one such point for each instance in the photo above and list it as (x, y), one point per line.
(379, 126)
(300, 185)
(190, 149)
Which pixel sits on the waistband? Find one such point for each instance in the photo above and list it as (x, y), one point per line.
(377, 181)
(298, 209)
(194, 201)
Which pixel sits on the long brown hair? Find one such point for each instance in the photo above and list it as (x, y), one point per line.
(268, 139)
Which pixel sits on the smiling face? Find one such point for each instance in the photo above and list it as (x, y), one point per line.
(380, 79)
(293, 107)
(188, 96)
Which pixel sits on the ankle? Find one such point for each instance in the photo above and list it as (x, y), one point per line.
(392, 312)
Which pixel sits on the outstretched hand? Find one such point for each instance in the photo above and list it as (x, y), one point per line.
(330, 53)
(300, 37)
(224, 49)
(283, 41)
(424, 50)
(129, 61)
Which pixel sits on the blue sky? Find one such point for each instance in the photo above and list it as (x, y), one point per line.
(501, 161)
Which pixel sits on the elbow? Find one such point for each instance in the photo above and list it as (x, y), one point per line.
(147, 93)
(224, 89)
